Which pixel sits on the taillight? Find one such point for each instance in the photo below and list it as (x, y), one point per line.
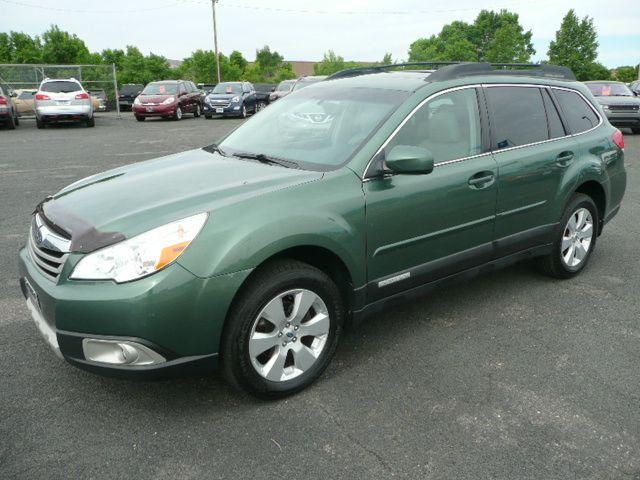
(82, 96)
(618, 139)
(3, 101)
(42, 96)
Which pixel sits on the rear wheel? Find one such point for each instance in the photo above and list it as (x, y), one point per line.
(16, 120)
(636, 130)
(39, 123)
(11, 123)
(197, 111)
(282, 330)
(260, 106)
(91, 122)
(575, 239)
(140, 119)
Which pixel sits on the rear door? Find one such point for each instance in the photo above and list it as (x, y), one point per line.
(424, 227)
(533, 152)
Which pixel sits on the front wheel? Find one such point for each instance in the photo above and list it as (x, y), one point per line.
(178, 114)
(243, 114)
(282, 330)
(575, 239)
(208, 117)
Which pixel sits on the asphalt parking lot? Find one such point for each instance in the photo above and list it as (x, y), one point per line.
(509, 376)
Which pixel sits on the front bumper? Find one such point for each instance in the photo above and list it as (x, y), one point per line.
(623, 118)
(155, 110)
(233, 110)
(173, 312)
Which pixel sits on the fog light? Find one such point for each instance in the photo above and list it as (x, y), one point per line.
(236, 108)
(119, 352)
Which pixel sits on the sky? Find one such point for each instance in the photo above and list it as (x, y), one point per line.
(362, 30)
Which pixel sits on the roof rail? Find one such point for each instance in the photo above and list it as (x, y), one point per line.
(519, 69)
(354, 72)
(451, 70)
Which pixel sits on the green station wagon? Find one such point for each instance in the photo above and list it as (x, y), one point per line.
(371, 187)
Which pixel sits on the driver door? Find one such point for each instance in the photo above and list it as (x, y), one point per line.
(424, 227)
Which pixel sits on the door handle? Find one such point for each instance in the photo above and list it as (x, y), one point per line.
(564, 159)
(482, 180)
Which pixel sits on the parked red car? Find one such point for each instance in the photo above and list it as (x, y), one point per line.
(168, 99)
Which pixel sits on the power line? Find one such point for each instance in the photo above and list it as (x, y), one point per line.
(70, 10)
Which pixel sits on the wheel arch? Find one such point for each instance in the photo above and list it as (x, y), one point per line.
(596, 192)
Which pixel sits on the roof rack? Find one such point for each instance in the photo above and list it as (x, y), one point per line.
(451, 70)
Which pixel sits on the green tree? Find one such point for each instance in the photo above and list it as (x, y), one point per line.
(110, 56)
(18, 47)
(493, 37)
(387, 59)
(269, 67)
(132, 66)
(332, 63)
(626, 73)
(63, 48)
(576, 46)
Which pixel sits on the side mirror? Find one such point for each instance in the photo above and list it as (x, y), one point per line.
(404, 159)
(13, 94)
(273, 89)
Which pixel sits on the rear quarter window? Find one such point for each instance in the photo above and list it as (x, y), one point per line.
(579, 115)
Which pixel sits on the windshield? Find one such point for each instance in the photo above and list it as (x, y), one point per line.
(131, 89)
(61, 87)
(228, 88)
(318, 128)
(605, 89)
(160, 89)
(284, 86)
(304, 83)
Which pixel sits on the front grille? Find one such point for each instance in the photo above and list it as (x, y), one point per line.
(219, 103)
(47, 249)
(625, 108)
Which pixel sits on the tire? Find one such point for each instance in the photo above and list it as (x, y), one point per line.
(178, 115)
(91, 122)
(635, 130)
(140, 119)
(278, 283)
(39, 123)
(260, 106)
(556, 265)
(16, 120)
(208, 117)
(11, 123)
(243, 114)
(197, 111)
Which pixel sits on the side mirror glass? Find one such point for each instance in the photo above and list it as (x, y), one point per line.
(13, 94)
(404, 159)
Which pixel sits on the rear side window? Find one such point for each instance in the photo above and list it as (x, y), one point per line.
(448, 126)
(580, 116)
(61, 87)
(556, 130)
(519, 116)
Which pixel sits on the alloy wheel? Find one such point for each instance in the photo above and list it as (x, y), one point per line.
(289, 335)
(577, 238)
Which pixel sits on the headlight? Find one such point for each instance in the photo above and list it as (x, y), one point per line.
(235, 99)
(142, 255)
(137, 101)
(169, 100)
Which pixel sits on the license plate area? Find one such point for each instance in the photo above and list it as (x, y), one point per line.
(31, 294)
(219, 110)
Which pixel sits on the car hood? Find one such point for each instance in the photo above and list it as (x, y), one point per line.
(618, 100)
(221, 96)
(154, 98)
(129, 200)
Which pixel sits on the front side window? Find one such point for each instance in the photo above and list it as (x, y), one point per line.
(448, 126)
(580, 116)
(519, 116)
(318, 128)
(26, 95)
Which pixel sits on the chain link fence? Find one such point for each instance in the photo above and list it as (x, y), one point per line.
(93, 78)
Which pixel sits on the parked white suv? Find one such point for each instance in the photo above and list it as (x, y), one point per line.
(63, 100)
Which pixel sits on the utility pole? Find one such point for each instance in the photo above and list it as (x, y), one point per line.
(215, 37)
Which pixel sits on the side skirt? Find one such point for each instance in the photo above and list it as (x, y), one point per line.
(467, 274)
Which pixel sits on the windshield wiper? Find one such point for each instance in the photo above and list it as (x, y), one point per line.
(261, 157)
(214, 148)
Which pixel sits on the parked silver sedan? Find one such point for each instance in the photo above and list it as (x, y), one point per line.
(63, 100)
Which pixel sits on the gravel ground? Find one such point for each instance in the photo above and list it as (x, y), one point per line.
(511, 375)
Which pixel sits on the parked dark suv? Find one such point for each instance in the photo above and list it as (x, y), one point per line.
(127, 95)
(168, 99)
(251, 255)
(231, 99)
